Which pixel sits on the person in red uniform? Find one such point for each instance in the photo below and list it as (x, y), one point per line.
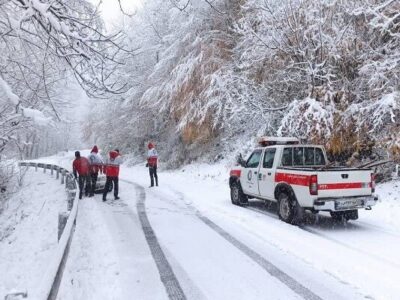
(152, 159)
(111, 166)
(80, 168)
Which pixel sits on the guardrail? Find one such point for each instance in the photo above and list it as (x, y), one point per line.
(50, 284)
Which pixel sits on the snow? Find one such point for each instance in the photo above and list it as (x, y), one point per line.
(363, 244)
(28, 232)
(36, 115)
(306, 117)
(111, 259)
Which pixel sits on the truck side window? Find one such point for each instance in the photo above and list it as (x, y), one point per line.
(298, 158)
(269, 158)
(309, 156)
(287, 157)
(319, 157)
(254, 159)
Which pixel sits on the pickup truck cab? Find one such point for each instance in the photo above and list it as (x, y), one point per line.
(298, 178)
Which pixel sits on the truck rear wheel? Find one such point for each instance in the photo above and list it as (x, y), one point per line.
(289, 210)
(237, 195)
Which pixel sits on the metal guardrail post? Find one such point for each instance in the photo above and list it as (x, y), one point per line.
(71, 182)
(51, 170)
(44, 168)
(70, 199)
(62, 176)
(62, 221)
(36, 167)
(58, 173)
(66, 181)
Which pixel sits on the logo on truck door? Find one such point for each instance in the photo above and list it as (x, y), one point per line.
(249, 175)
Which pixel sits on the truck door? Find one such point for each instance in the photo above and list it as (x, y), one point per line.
(249, 179)
(266, 182)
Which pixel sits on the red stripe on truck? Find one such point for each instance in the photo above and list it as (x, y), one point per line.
(304, 180)
(343, 186)
(295, 179)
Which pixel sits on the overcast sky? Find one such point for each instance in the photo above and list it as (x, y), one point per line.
(111, 12)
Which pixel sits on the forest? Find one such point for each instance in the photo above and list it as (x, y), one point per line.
(201, 78)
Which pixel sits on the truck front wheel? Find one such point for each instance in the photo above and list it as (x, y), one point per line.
(237, 195)
(288, 209)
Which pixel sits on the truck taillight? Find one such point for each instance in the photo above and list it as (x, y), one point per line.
(372, 182)
(313, 185)
(235, 173)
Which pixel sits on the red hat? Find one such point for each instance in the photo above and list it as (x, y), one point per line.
(150, 145)
(113, 154)
(95, 150)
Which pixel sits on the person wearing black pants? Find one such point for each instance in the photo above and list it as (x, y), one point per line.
(153, 175)
(84, 182)
(111, 180)
(152, 160)
(80, 168)
(111, 166)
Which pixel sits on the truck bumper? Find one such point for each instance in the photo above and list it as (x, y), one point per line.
(342, 204)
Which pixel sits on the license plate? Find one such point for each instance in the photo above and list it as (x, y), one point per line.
(348, 203)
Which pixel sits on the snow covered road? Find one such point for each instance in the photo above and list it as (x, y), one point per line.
(185, 239)
(228, 260)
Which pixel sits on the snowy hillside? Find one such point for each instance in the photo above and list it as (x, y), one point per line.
(212, 75)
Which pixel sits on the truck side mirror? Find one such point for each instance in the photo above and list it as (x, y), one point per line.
(240, 160)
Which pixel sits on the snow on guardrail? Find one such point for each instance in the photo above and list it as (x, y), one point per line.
(51, 280)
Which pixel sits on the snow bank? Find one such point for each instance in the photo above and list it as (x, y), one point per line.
(29, 232)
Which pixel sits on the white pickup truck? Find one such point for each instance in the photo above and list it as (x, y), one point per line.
(298, 178)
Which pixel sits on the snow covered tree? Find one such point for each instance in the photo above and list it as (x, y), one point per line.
(209, 72)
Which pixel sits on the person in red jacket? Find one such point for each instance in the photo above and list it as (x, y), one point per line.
(80, 168)
(152, 159)
(111, 169)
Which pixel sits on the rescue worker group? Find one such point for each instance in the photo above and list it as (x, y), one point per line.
(86, 170)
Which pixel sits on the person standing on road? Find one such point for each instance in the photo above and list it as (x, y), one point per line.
(80, 167)
(96, 165)
(152, 158)
(111, 166)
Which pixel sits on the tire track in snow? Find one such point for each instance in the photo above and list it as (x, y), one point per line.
(268, 266)
(319, 233)
(265, 264)
(167, 275)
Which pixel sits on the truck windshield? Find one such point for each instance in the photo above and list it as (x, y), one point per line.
(254, 159)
